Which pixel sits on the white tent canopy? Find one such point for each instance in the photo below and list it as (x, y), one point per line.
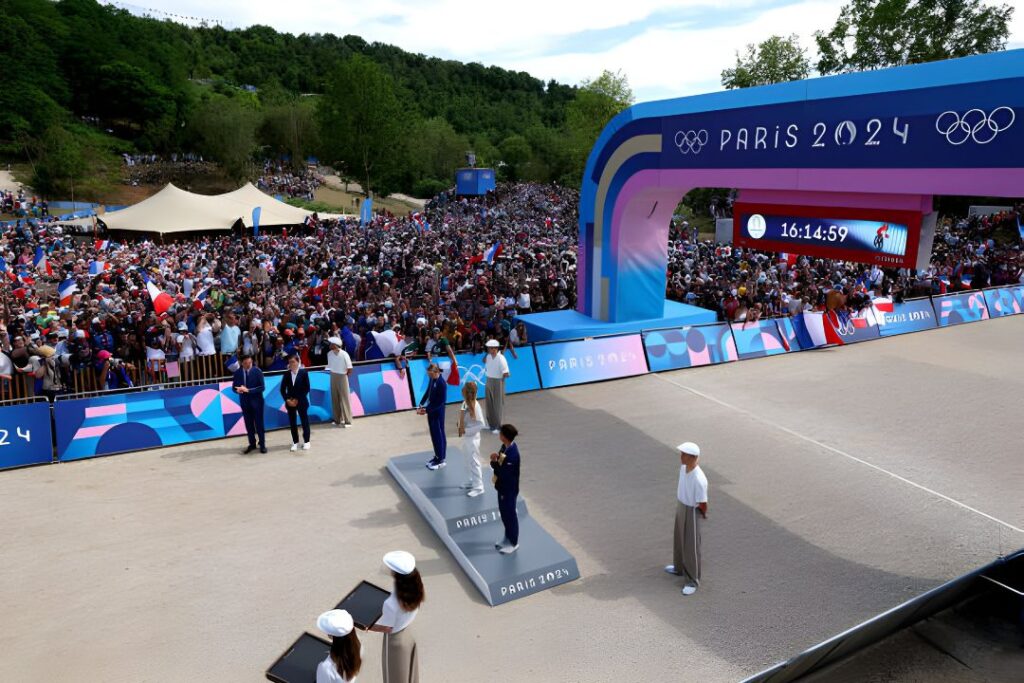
(173, 210)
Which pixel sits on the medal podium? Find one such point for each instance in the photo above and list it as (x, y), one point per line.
(469, 528)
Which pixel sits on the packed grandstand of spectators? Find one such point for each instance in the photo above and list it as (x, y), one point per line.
(279, 180)
(456, 275)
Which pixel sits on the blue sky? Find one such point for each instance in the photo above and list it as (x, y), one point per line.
(666, 48)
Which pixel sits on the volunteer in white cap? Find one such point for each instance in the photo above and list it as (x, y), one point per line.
(691, 509)
(399, 658)
(496, 369)
(339, 364)
(346, 655)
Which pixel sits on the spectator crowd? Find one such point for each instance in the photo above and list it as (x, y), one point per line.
(452, 277)
(459, 272)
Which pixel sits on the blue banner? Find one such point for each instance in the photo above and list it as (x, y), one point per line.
(689, 347)
(1005, 301)
(522, 373)
(912, 128)
(758, 339)
(102, 425)
(965, 307)
(590, 360)
(909, 316)
(25, 435)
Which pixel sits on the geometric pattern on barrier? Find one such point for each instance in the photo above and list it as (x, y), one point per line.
(758, 339)
(1005, 301)
(102, 425)
(955, 309)
(689, 347)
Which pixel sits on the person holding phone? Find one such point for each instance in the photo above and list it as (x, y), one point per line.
(295, 392)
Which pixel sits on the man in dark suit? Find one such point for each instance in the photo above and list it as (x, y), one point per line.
(432, 405)
(248, 384)
(295, 392)
(505, 464)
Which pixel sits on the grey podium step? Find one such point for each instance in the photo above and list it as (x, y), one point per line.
(469, 528)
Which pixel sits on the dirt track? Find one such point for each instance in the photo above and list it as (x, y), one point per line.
(844, 481)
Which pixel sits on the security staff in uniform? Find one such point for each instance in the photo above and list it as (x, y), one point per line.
(248, 384)
(505, 464)
(432, 405)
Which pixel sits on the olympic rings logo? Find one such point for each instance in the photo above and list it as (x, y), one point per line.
(975, 125)
(843, 324)
(691, 141)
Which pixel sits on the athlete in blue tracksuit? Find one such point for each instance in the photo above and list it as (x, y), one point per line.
(432, 405)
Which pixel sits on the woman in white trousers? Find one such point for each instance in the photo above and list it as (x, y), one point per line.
(471, 423)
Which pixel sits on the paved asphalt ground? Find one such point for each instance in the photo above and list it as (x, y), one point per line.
(843, 482)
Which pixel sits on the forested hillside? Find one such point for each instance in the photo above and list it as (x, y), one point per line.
(83, 82)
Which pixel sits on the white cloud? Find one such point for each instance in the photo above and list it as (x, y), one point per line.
(670, 60)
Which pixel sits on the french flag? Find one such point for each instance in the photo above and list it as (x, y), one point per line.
(41, 263)
(161, 299)
(493, 253)
(421, 223)
(102, 245)
(200, 298)
(66, 291)
(98, 267)
(315, 283)
(813, 330)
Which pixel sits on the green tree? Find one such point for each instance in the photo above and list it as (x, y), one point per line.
(361, 120)
(515, 155)
(291, 127)
(873, 34)
(436, 150)
(224, 128)
(59, 161)
(595, 104)
(775, 60)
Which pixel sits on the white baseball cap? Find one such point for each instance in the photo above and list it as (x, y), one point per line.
(492, 344)
(336, 622)
(335, 341)
(689, 448)
(400, 561)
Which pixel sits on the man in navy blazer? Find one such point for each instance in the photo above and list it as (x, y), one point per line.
(295, 392)
(505, 464)
(248, 384)
(432, 405)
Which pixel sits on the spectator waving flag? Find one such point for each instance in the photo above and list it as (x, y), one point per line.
(66, 291)
(200, 298)
(102, 245)
(161, 299)
(98, 267)
(493, 253)
(421, 222)
(41, 263)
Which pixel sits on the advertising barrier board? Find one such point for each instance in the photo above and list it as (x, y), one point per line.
(689, 347)
(1005, 301)
(590, 360)
(852, 328)
(25, 434)
(908, 316)
(522, 373)
(964, 307)
(758, 339)
(102, 425)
